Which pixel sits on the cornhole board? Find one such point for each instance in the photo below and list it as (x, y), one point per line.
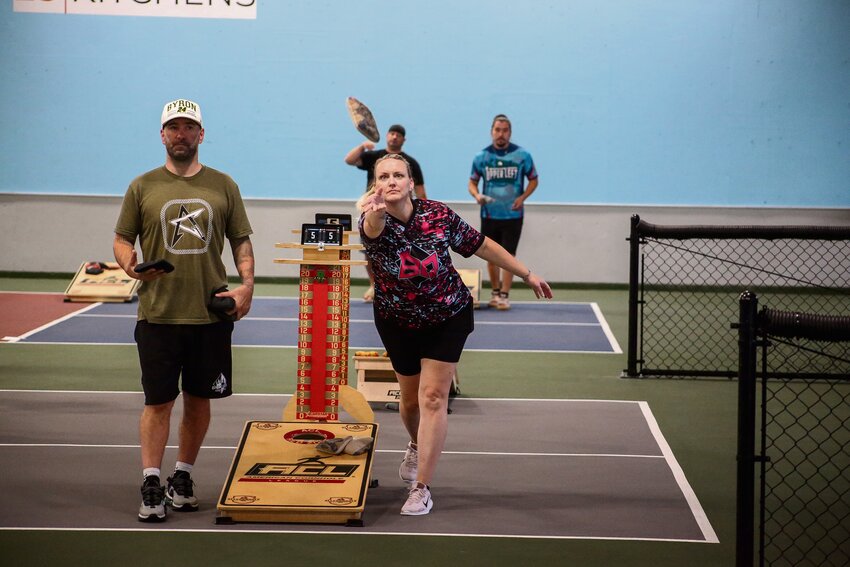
(112, 285)
(277, 475)
(472, 279)
(377, 382)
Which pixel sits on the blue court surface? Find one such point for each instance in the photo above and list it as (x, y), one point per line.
(539, 326)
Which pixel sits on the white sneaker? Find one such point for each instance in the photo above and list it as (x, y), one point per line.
(418, 502)
(504, 303)
(494, 299)
(409, 464)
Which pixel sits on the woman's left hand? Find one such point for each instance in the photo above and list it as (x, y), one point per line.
(539, 285)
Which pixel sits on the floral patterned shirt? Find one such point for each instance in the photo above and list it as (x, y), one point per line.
(416, 284)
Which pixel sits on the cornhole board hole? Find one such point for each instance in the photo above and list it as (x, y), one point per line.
(377, 382)
(472, 279)
(112, 285)
(277, 475)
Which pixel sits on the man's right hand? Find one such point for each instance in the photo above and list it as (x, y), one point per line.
(146, 276)
(483, 199)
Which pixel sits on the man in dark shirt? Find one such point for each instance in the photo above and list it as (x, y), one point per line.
(363, 156)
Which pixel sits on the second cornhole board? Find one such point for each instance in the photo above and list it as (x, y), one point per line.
(277, 475)
(472, 279)
(377, 382)
(111, 285)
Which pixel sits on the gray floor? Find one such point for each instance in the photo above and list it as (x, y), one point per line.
(542, 468)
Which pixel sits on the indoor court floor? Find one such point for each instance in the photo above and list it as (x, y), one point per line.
(568, 455)
(543, 468)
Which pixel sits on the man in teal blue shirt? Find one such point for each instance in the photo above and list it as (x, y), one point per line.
(504, 167)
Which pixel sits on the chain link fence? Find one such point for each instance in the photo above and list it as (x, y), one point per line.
(684, 283)
(803, 432)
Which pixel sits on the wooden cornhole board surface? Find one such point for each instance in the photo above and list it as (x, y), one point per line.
(472, 279)
(111, 285)
(377, 382)
(278, 476)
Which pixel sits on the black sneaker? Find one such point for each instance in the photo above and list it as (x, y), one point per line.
(153, 501)
(180, 495)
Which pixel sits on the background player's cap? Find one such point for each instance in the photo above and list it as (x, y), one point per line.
(398, 128)
(181, 108)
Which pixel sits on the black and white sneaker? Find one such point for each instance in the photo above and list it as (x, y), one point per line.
(180, 494)
(153, 501)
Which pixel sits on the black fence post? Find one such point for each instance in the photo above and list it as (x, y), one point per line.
(634, 279)
(745, 519)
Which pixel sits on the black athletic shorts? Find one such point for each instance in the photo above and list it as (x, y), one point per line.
(201, 353)
(444, 342)
(505, 232)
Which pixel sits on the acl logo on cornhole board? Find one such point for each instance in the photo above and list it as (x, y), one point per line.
(187, 226)
(311, 470)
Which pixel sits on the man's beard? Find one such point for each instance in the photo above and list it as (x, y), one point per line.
(183, 155)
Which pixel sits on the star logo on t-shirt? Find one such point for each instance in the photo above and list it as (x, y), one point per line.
(187, 223)
(186, 217)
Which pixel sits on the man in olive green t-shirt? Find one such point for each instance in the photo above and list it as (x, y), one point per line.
(182, 213)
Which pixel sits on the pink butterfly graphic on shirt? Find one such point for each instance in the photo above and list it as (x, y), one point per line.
(412, 267)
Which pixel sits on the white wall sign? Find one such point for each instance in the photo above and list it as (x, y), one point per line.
(231, 9)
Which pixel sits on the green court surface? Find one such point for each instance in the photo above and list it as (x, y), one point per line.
(697, 418)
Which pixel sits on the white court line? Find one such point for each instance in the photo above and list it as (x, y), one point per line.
(55, 322)
(399, 451)
(606, 329)
(350, 532)
(688, 492)
(351, 347)
(267, 395)
(295, 299)
(536, 323)
(33, 292)
(521, 351)
(366, 321)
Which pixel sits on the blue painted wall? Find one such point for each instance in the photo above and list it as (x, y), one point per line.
(687, 102)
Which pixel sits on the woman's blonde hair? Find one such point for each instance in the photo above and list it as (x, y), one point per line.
(363, 198)
(398, 157)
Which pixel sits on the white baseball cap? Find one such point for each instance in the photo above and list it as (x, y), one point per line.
(181, 108)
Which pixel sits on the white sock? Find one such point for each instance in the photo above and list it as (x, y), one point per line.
(181, 466)
(150, 471)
